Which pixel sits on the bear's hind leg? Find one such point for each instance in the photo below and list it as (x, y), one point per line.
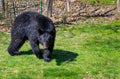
(14, 46)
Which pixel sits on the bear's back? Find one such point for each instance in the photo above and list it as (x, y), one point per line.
(26, 18)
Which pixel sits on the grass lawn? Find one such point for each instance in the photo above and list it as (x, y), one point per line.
(82, 51)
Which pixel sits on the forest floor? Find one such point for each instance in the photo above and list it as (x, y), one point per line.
(79, 13)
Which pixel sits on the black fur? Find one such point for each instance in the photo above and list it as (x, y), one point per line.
(37, 29)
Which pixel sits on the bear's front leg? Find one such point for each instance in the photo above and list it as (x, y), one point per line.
(35, 48)
(48, 53)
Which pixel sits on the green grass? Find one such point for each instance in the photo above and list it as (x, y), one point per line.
(82, 51)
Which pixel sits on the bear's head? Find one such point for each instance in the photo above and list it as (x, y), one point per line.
(46, 39)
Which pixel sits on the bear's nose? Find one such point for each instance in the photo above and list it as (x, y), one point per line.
(45, 45)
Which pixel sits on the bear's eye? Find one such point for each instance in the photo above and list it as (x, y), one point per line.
(41, 32)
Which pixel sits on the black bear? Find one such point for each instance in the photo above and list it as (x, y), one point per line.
(36, 28)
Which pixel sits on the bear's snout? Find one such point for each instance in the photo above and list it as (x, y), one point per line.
(45, 45)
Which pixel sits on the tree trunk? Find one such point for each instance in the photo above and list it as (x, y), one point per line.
(49, 4)
(2, 5)
(118, 5)
(68, 5)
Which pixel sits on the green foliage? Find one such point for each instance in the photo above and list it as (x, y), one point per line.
(82, 51)
(1, 16)
(99, 2)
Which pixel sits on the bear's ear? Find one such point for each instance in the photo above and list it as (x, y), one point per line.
(52, 32)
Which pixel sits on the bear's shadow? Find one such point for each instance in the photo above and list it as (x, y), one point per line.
(61, 56)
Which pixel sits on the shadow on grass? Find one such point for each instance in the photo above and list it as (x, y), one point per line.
(61, 56)
(29, 52)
